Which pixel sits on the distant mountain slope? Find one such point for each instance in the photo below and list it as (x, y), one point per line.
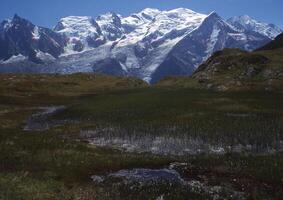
(212, 35)
(238, 69)
(83, 33)
(275, 44)
(150, 44)
(246, 23)
(20, 38)
(233, 68)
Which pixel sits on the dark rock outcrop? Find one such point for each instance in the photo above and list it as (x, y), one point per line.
(19, 36)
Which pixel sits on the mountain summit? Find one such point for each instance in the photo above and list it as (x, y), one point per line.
(246, 23)
(149, 44)
(19, 37)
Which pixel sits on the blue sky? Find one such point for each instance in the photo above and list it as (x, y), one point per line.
(48, 12)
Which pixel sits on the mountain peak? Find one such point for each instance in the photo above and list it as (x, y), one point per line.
(242, 19)
(110, 25)
(109, 17)
(18, 19)
(17, 23)
(82, 31)
(213, 17)
(76, 19)
(213, 14)
(15, 15)
(246, 17)
(76, 25)
(108, 14)
(149, 44)
(150, 11)
(247, 23)
(182, 10)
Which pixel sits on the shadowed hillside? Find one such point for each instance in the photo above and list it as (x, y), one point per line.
(234, 69)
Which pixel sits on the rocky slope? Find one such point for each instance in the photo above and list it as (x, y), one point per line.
(275, 44)
(234, 68)
(20, 39)
(149, 45)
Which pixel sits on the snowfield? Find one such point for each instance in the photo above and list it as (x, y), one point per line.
(150, 44)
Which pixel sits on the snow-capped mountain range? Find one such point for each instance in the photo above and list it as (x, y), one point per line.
(247, 23)
(149, 45)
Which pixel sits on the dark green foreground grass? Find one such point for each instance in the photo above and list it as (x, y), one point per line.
(45, 164)
(55, 164)
(232, 118)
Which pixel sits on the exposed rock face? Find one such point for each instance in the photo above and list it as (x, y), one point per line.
(109, 66)
(214, 34)
(111, 26)
(20, 37)
(149, 45)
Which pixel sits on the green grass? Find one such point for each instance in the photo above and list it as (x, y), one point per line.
(43, 165)
(56, 164)
(212, 116)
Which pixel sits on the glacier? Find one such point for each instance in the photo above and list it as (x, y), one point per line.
(150, 44)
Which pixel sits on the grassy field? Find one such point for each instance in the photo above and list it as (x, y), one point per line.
(58, 163)
(236, 117)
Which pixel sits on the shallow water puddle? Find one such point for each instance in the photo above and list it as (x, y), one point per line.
(160, 145)
(172, 145)
(39, 121)
(143, 175)
(141, 178)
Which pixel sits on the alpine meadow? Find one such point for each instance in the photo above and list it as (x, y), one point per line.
(160, 103)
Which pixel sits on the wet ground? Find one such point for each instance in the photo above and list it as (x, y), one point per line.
(169, 144)
(178, 178)
(39, 121)
(135, 180)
